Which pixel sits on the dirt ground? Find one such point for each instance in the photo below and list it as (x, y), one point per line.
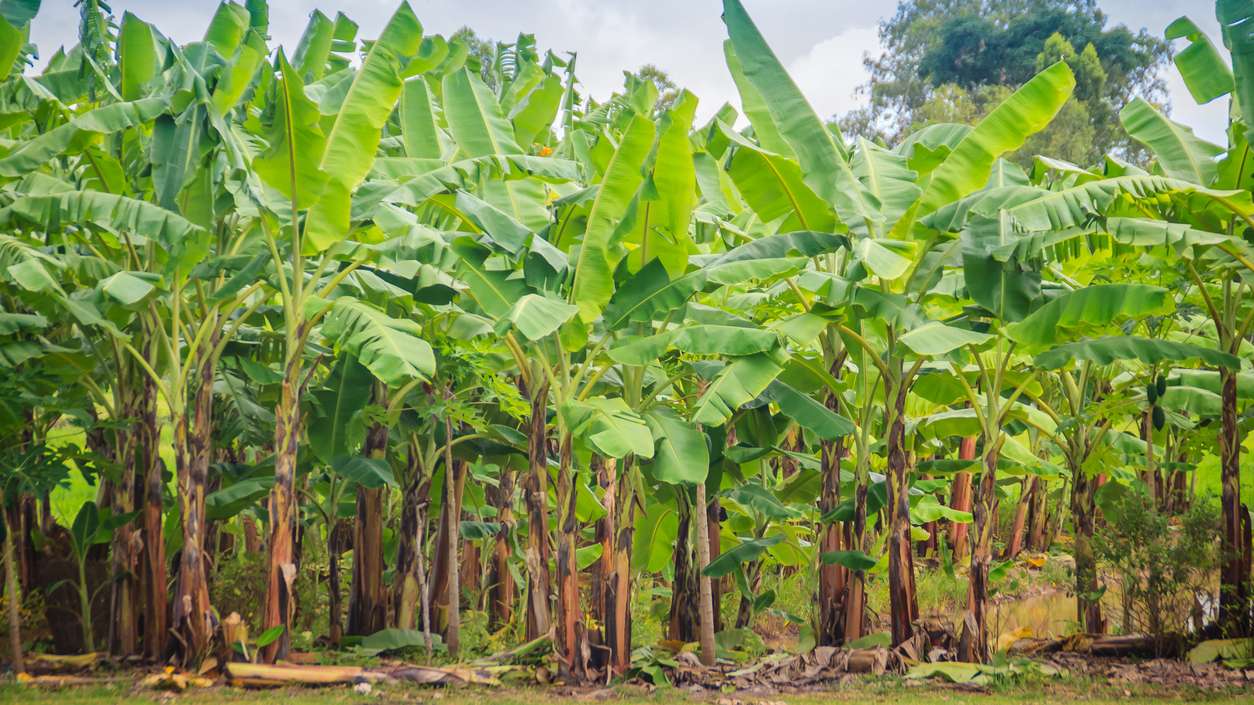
(882, 690)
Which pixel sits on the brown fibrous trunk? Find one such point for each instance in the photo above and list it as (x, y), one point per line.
(535, 494)
(1234, 569)
(409, 579)
(705, 602)
(339, 537)
(281, 568)
(973, 645)
(1083, 514)
(683, 615)
(192, 614)
(367, 605)
(153, 486)
(903, 604)
(833, 578)
(501, 587)
(571, 647)
(961, 500)
(1014, 543)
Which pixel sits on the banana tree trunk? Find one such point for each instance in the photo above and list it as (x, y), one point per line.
(903, 604)
(833, 578)
(714, 524)
(961, 500)
(1038, 517)
(252, 534)
(536, 495)
(705, 601)
(1014, 543)
(367, 604)
(1179, 492)
(618, 631)
(443, 561)
(1247, 536)
(453, 503)
(339, 537)
(611, 591)
(502, 590)
(192, 614)
(439, 569)
(281, 571)
(1054, 519)
(973, 645)
(603, 574)
(1234, 571)
(1172, 488)
(855, 597)
(124, 552)
(409, 580)
(153, 486)
(714, 535)
(684, 614)
(744, 610)
(472, 568)
(571, 647)
(1083, 514)
(367, 612)
(12, 593)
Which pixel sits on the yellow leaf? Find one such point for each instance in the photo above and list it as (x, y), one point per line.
(1007, 639)
(672, 645)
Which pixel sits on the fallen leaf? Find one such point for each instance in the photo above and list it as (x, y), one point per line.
(1007, 639)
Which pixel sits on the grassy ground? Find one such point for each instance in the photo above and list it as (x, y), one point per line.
(884, 691)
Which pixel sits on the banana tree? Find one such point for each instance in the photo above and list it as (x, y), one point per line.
(648, 295)
(554, 307)
(31, 468)
(1120, 206)
(375, 319)
(39, 331)
(303, 169)
(878, 197)
(752, 357)
(349, 438)
(1223, 255)
(993, 399)
(462, 166)
(1006, 285)
(1094, 408)
(153, 252)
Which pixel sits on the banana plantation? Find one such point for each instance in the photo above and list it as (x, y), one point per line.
(407, 355)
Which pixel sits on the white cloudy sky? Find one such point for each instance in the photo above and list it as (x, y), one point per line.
(821, 41)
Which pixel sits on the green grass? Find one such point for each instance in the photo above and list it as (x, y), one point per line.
(882, 691)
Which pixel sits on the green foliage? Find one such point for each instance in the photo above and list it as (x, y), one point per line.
(316, 284)
(1161, 564)
(950, 62)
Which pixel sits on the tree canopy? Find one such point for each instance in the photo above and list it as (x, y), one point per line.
(953, 60)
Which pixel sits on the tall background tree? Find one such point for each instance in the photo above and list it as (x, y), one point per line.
(955, 60)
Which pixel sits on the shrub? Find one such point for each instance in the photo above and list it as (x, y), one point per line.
(1161, 564)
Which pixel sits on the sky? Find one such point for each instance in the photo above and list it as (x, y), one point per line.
(822, 42)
